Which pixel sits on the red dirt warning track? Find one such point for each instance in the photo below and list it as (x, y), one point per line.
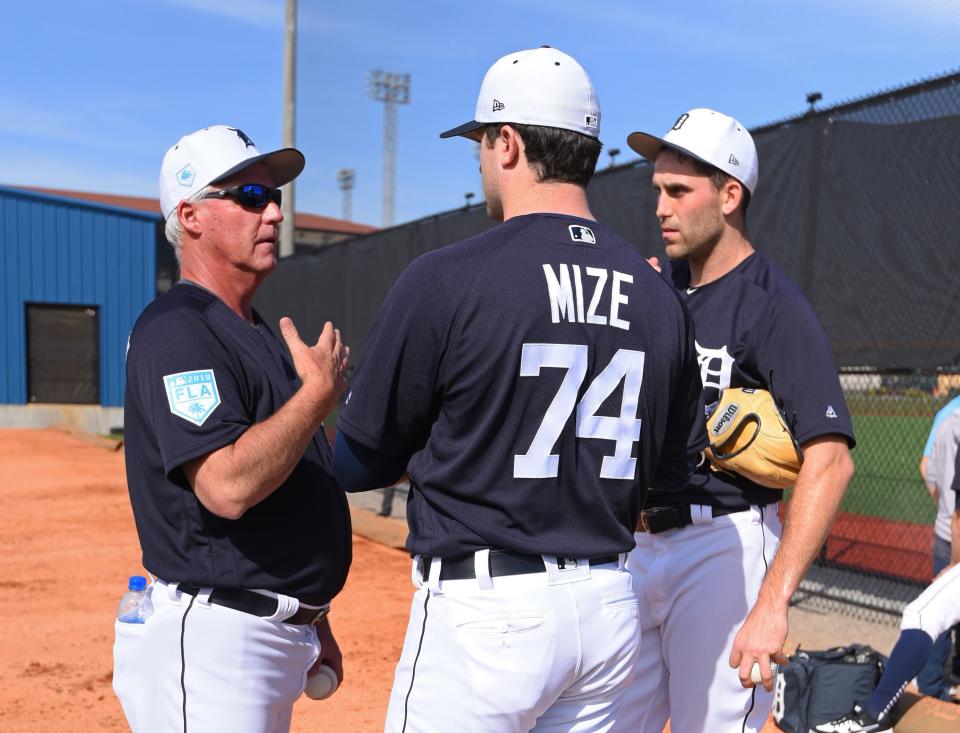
(900, 549)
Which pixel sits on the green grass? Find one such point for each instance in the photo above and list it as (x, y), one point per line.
(887, 482)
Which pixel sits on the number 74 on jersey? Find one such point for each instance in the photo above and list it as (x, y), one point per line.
(624, 430)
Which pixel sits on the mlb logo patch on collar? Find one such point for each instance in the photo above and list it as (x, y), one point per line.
(582, 234)
(192, 395)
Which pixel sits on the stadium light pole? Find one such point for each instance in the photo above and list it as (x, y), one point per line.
(288, 226)
(391, 89)
(613, 153)
(346, 178)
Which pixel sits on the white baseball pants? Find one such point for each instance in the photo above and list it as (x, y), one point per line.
(937, 608)
(696, 585)
(546, 652)
(198, 667)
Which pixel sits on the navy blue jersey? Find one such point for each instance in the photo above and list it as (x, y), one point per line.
(539, 377)
(755, 328)
(198, 376)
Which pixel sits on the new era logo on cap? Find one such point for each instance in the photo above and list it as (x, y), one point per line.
(710, 137)
(497, 105)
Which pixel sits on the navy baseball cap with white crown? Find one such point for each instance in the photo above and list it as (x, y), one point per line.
(212, 154)
(540, 86)
(712, 138)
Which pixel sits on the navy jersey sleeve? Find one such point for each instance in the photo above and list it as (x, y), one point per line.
(188, 387)
(793, 352)
(394, 396)
(686, 433)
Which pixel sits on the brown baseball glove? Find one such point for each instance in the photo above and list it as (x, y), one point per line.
(748, 435)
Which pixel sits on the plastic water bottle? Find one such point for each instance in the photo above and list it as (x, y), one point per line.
(135, 606)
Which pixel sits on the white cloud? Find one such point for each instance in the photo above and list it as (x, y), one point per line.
(260, 13)
(50, 170)
(927, 14)
(23, 119)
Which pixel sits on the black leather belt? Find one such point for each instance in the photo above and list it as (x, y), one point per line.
(248, 601)
(504, 562)
(661, 518)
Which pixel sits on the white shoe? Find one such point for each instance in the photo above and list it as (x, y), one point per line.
(856, 721)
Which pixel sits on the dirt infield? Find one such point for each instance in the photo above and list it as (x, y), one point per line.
(67, 546)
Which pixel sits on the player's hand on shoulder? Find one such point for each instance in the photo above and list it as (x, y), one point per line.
(322, 365)
(654, 262)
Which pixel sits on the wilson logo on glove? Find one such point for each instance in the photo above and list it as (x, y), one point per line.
(756, 442)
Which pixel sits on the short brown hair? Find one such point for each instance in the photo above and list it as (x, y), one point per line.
(718, 178)
(557, 155)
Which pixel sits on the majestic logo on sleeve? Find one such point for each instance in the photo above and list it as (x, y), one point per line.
(192, 395)
(716, 366)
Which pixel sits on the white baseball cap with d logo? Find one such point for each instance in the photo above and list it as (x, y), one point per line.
(540, 86)
(212, 154)
(712, 138)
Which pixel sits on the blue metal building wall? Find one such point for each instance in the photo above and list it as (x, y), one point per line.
(62, 251)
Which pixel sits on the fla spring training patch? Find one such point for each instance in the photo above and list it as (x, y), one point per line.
(192, 395)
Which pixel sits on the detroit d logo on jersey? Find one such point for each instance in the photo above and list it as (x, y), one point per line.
(716, 366)
(192, 395)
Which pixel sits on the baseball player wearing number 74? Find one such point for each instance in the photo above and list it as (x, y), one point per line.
(535, 380)
(713, 595)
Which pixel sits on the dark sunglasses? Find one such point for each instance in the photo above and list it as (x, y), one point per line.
(251, 195)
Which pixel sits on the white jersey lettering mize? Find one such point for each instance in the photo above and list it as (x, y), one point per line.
(568, 296)
(561, 294)
(617, 299)
(716, 366)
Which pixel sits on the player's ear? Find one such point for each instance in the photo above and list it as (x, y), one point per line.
(731, 196)
(187, 213)
(510, 146)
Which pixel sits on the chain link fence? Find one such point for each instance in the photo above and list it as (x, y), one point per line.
(879, 554)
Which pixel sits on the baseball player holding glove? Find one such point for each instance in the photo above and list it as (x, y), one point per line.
(535, 379)
(713, 595)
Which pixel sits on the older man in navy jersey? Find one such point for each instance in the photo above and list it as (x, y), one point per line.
(535, 380)
(230, 474)
(713, 588)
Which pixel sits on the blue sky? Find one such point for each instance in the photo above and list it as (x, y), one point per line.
(94, 93)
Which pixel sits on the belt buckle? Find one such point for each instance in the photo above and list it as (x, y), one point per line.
(644, 525)
(319, 617)
(648, 519)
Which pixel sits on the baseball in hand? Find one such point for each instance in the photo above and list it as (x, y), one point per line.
(323, 684)
(755, 672)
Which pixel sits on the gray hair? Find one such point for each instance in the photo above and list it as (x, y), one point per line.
(172, 229)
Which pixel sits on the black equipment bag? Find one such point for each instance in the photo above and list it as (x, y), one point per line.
(817, 687)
